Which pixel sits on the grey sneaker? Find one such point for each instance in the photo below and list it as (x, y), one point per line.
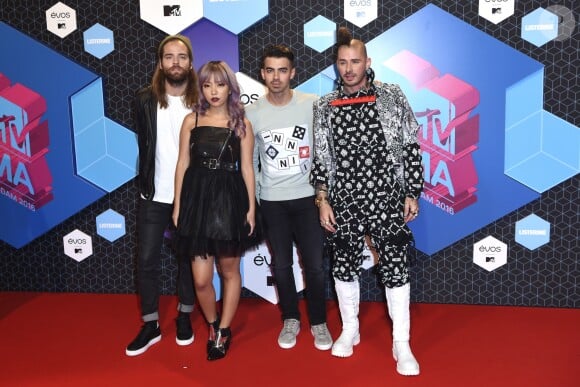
(322, 338)
(287, 337)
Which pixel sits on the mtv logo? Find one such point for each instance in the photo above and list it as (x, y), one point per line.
(496, 11)
(361, 14)
(24, 142)
(171, 10)
(449, 129)
(78, 250)
(61, 26)
(489, 259)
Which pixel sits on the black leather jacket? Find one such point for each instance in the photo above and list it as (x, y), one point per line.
(145, 111)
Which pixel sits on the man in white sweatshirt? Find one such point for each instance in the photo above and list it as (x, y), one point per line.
(282, 122)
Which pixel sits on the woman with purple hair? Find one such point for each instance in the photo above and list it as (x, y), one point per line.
(215, 205)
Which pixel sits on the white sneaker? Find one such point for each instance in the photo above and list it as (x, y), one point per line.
(322, 338)
(287, 337)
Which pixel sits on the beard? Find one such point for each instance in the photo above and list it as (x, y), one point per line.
(176, 78)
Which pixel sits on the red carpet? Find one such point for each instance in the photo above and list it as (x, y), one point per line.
(51, 339)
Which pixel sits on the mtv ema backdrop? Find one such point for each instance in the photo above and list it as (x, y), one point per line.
(493, 84)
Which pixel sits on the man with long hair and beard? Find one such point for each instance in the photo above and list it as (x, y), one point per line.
(159, 112)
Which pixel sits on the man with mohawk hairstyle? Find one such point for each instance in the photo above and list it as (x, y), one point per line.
(368, 177)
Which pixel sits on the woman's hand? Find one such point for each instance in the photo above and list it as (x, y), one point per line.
(251, 221)
(175, 217)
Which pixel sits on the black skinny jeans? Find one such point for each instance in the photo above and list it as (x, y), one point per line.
(296, 220)
(152, 222)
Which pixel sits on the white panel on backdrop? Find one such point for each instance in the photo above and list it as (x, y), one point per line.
(250, 89)
(171, 16)
(370, 256)
(78, 245)
(360, 12)
(258, 276)
(61, 19)
(490, 253)
(496, 10)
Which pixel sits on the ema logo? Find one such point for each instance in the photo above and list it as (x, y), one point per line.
(449, 131)
(24, 173)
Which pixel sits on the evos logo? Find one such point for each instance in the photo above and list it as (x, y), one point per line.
(248, 99)
(260, 260)
(490, 249)
(60, 15)
(78, 241)
(360, 3)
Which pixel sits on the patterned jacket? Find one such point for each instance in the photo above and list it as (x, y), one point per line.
(399, 127)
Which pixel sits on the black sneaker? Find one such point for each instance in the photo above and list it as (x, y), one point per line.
(184, 333)
(148, 335)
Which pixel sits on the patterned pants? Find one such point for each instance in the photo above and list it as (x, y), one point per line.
(389, 235)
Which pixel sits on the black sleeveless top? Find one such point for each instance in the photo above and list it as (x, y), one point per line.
(214, 148)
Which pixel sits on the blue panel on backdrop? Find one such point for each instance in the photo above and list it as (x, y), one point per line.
(33, 73)
(446, 57)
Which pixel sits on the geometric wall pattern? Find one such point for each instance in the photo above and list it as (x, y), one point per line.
(105, 152)
(546, 276)
(542, 150)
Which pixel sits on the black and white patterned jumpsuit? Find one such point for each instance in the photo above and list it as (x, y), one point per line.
(366, 196)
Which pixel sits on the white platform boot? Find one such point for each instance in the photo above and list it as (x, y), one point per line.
(348, 302)
(398, 300)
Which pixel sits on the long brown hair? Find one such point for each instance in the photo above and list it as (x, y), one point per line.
(158, 82)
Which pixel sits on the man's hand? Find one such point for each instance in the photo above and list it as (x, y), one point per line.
(411, 210)
(326, 216)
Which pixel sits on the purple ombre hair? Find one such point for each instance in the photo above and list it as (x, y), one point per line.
(223, 73)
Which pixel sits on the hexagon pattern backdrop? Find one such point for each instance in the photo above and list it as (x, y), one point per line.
(540, 269)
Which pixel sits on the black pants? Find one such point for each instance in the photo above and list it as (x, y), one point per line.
(296, 220)
(152, 222)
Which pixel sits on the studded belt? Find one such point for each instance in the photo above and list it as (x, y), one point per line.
(217, 164)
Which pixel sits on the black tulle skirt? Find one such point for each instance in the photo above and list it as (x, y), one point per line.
(212, 215)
